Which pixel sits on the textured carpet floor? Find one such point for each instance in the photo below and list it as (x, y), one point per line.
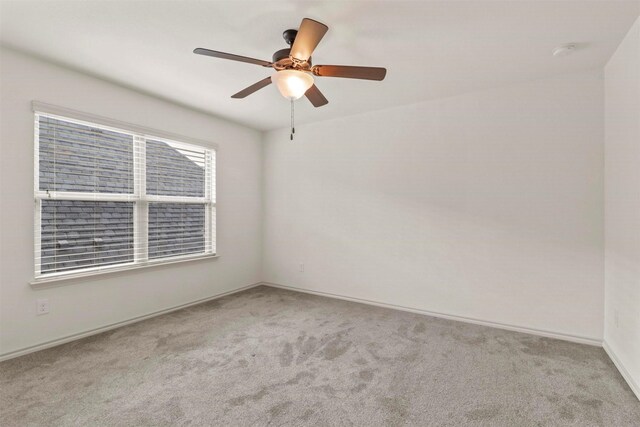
(273, 357)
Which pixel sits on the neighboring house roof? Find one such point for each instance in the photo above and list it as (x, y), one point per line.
(77, 234)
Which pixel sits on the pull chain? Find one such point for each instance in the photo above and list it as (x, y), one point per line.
(293, 129)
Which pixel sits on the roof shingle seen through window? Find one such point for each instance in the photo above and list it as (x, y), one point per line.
(81, 234)
(175, 229)
(75, 157)
(174, 172)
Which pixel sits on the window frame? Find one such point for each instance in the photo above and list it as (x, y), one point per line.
(139, 197)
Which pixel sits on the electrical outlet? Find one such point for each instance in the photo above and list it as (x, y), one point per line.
(301, 268)
(42, 306)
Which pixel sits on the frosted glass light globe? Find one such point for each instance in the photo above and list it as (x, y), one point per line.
(292, 84)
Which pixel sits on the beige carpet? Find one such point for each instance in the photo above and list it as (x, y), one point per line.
(272, 357)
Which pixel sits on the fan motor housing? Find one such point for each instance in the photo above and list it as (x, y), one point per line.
(281, 60)
(280, 55)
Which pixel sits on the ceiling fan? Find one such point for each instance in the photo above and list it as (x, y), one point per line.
(294, 70)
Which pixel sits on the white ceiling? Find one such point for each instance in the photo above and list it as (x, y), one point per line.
(431, 49)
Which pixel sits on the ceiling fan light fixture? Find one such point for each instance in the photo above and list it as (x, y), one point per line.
(296, 76)
(292, 84)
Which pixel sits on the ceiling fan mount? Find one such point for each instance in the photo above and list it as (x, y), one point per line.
(294, 71)
(290, 36)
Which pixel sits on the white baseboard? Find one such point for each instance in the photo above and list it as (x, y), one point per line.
(539, 332)
(549, 334)
(623, 371)
(80, 335)
(573, 338)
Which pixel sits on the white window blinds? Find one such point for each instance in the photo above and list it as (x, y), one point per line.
(108, 198)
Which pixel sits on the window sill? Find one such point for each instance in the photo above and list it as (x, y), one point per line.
(51, 281)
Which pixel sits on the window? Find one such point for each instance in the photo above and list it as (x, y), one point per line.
(110, 198)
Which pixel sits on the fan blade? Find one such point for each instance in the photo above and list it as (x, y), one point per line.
(316, 97)
(223, 55)
(253, 88)
(309, 35)
(365, 73)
